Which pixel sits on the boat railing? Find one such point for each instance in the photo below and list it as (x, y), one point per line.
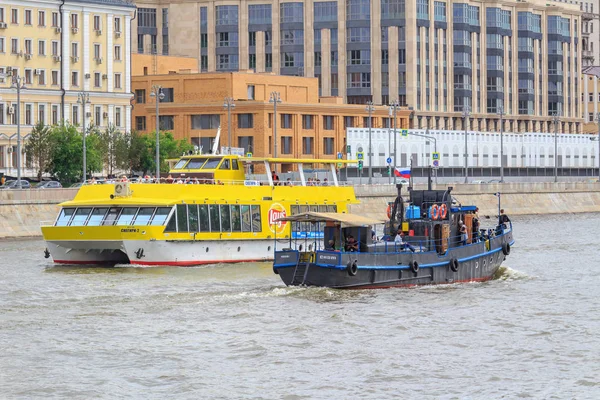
(203, 181)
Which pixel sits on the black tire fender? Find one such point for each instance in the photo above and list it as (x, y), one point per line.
(414, 266)
(506, 248)
(352, 268)
(275, 271)
(454, 265)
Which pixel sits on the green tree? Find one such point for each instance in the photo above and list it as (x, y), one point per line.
(114, 149)
(169, 148)
(37, 148)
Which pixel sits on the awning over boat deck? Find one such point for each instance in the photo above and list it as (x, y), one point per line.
(346, 220)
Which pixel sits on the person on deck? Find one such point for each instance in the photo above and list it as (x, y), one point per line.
(464, 235)
(351, 243)
(504, 218)
(330, 245)
(399, 240)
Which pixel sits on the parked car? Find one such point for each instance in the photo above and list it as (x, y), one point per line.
(48, 185)
(494, 181)
(76, 185)
(13, 185)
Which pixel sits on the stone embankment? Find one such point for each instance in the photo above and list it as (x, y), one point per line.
(22, 211)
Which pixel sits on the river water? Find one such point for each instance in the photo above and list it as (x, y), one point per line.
(237, 332)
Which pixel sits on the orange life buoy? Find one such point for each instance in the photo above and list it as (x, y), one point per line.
(434, 211)
(443, 211)
(389, 211)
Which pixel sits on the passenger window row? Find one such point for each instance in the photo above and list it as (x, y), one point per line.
(106, 216)
(215, 218)
(207, 163)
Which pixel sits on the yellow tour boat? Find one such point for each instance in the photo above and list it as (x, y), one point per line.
(207, 211)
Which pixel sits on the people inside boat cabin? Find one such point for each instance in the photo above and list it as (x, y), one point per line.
(399, 240)
(475, 230)
(330, 245)
(351, 243)
(464, 236)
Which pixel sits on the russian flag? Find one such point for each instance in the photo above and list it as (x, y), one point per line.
(402, 172)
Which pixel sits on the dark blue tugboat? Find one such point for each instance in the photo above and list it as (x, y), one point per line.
(431, 240)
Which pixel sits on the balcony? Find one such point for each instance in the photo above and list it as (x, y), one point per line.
(587, 55)
(586, 16)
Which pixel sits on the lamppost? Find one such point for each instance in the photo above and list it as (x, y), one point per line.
(158, 94)
(17, 83)
(370, 110)
(556, 119)
(501, 114)
(228, 105)
(83, 98)
(275, 98)
(427, 136)
(394, 110)
(465, 116)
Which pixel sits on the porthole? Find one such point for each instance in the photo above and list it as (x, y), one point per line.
(239, 248)
(207, 249)
(476, 264)
(269, 248)
(483, 263)
(491, 259)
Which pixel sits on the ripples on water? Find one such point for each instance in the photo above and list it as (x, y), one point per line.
(237, 332)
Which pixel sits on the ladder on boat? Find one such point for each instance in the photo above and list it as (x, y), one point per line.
(301, 269)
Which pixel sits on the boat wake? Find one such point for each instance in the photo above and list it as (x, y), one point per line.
(508, 274)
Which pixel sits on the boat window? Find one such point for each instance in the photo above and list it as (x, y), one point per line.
(81, 215)
(196, 163)
(215, 220)
(212, 163)
(322, 208)
(112, 215)
(331, 208)
(172, 223)
(225, 164)
(180, 164)
(234, 164)
(97, 216)
(256, 225)
(143, 216)
(126, 216)
(204, 220)
(313, 208)
(246, 219)
(64, 216)
(225, 218)
(182, 222)
(160, 216)
(193, 217)
(236, 225)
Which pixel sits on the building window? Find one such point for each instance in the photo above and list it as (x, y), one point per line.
(28, 76)
(360, 57)
(97, 52)
(75, 115)
(74, 21)
(206, 121)
(28, 47)
(140, 43)
(54, 78)
(2, 49)
(203, 63)
(14, 16)
(54, 114)
(325, 11)
(228, 39)
(292, 36)
(259, 14)
(42, 47)
(328, 145)
(245, 121)
(169, 95)
(97, 80)
(358, 10)
(97, 23)
(307, 145)
(140, 96)
(14, 46)
(140, 123)
(250, 92)
(28, 114)
(166, 122)
(41, 18)
(118, 116)
(286, 121)
(227, 15)
(307, 122)
(117, 25)
(117, 81)
(41, 77)
(291, 12)
(41, 113)
(359, 80)
(227, 62)
(54, 19)
(146, 17)
(117, 53)
(348, 122)
(246, 142)
(54, 48)
(98, 115)
(286, 145)
(328, 122)
(27, 17)
(75, 78)
(74, 48)
(358, 35)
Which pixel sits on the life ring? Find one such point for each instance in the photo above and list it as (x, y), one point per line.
(434, 211)
(352, 268)
(443, 211)
(506, 249)
(389, 211)
(454, 265)
(414, 266)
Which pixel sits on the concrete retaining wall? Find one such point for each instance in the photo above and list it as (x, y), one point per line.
(21, 211)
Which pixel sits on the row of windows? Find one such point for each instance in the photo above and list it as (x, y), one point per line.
(15, 48)
(215, 218)
(99, 117)
(108, 216)
(207, 163)
(55, 17)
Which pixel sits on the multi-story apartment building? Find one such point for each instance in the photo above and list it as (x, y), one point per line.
(521, 58)
(59, 49)
(590, 32)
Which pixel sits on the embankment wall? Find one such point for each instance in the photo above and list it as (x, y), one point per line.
(21, 211)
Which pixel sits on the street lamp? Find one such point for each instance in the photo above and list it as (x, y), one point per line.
(465, 116)
(157, 92)
(17, 83)
(394, 110)
(370, 110)
(501, 114)
(555, 119)
(228, 105)
(275, 98)
(83, 98)
(428, 136)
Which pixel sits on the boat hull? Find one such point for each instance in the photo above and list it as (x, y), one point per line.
(476, 263)
(160, 253)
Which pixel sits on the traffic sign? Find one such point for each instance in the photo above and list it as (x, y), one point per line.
(435, 156)
(436, 164)
(248, 154)
(389, 160)
(348, 149)
(339, 165)
(360, 155)
(339, 156)
(404, 132)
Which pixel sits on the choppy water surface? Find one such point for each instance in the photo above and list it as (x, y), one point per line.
(237, 332)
